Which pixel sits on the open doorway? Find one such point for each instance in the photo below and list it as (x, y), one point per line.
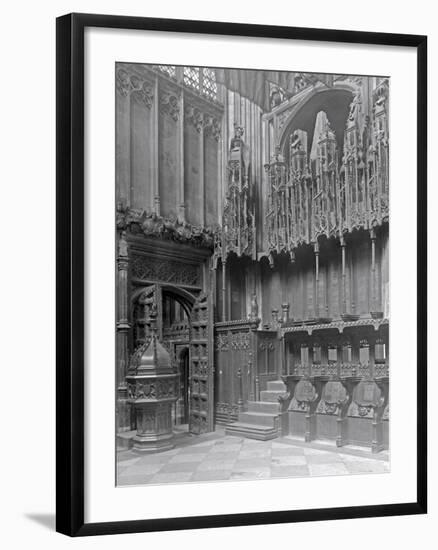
(182, 404)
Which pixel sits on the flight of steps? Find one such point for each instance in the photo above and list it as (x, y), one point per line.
(261, 419)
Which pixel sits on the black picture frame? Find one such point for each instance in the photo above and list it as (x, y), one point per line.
(70, 273)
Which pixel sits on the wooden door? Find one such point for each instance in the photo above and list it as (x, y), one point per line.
(201, 418)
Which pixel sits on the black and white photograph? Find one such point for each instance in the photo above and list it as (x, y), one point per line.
(217, 275)
(252, 274)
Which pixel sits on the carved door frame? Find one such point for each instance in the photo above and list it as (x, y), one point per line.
(201, 348)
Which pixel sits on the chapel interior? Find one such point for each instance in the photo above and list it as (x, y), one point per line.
(252, 214)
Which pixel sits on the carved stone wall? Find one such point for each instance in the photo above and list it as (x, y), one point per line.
(155, 153)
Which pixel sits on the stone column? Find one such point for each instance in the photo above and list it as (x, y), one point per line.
(316, 302)
(224, 289)
(344, 288)
(123, 416)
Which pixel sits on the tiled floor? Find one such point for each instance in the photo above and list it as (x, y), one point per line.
(216, 457)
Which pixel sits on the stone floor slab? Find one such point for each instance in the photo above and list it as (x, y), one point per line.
(216, 457)
(243, 463)
(328, 469)
(288, 460)
(138, 479)
(211, 475)
(367, 467)
(180, 477)
(323, 458)
(216, 465)
(179, 467)
(186, 457)
(290, 471)
(146, 469)
(226, 447)
(256, 473)
(255, 453)
(287, 451)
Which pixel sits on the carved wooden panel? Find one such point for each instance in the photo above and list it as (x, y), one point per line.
(165, 270)
(201, 418)
(235, 357)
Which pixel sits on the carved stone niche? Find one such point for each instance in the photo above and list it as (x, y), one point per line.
(152, 383)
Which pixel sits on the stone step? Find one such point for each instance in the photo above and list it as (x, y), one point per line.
(263, 406)
(258, 418)
(276, 385)
(270, 396)
(124, 440)
(251, 431)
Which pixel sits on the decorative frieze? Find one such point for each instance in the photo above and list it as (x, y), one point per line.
(153, 389)
(165, 270)
(232, 340)
(171, 229)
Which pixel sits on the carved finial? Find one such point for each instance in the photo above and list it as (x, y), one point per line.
(285, 310)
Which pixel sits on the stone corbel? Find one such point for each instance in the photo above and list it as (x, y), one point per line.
(127, 83)
(212, 127)
(169, 104)
(195, 117)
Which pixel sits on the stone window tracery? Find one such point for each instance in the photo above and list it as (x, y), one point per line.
(192, 77)
(209, 84)
(169, 70)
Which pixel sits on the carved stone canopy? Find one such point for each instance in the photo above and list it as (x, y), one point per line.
(152, 358)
